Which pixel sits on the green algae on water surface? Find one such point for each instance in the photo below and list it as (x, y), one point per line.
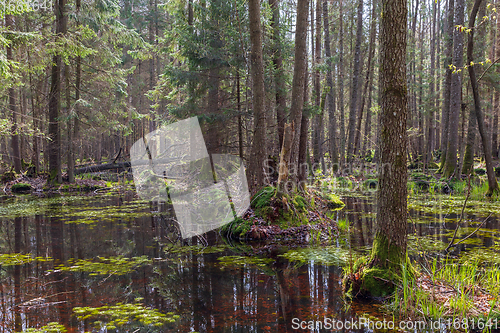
(53, 327)
(446, 204)
(243, 260)
(105, 266)
(482, 255)
(13, 259)
(110, 317)
(428, 243)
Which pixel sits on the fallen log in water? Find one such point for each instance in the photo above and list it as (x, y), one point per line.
(123, 165)
(102, 167)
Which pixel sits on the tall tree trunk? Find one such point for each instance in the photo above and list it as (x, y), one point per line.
(240, 123)
(418, 109)
(369, 70)
(468, 160)
(213, 141)
(334, 155)
(303, 166)
(279, 78)
(298, 83)
(341, 84)
(55, 99)
(448, 58)
(368, 120)
(468, 164)
(432, 91)
(318, 118)
(412, 83)
(16, 151)
(391, 211)
(437, 81)
(492, 181)
(256, 173)
(353, 112)
(73, 125)
(495, 148)
(71, 157)
(450, 167)
(389, 246)
(152, 15)
(190, 12)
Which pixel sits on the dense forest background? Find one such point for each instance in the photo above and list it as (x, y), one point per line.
(82, 80)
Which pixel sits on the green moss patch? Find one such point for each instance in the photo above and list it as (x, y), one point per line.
(21, 188)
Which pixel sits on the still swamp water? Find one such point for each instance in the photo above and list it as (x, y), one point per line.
(113, 263)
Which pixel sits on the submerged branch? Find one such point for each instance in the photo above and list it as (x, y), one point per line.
(461, 215)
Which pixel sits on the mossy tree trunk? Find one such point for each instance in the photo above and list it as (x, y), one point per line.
(375, 275)
(389, 248)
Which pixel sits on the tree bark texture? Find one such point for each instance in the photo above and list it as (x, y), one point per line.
(334, 155)
(353, 112)
(298, 84)
(448, 54)
(16, 151)
(256, 171)
(450, 167)
(392, 194)
(55, 99)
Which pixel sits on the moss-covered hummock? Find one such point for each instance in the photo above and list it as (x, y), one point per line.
(21, 188)
(273, 212)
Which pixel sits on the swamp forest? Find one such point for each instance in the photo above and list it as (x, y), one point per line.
(249, 166)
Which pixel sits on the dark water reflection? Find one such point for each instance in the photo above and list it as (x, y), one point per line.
(438, 226)
(208, 296)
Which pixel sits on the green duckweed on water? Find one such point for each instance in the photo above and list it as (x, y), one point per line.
(447, 204)
(110, 317)
(243, 260)
(417, 244)
(105, 266)
(49, 328)
(73, 206)
(13, 259)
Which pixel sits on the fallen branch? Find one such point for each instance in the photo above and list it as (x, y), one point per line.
(472, 233)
